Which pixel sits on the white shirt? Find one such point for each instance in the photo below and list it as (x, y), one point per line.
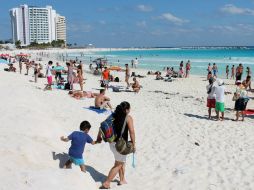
(220, 94)
(211, 95)
(48, 71)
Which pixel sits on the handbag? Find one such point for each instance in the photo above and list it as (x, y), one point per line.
(122, 146)
(235, 97)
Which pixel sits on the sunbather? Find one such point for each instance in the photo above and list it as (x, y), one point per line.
(82, 94)
(102, 101)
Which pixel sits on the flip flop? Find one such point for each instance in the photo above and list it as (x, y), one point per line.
(103, 187)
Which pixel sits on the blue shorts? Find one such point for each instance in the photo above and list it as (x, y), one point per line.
(77, 161)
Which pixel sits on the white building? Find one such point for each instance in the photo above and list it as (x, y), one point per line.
(60, 28)
(35, 24)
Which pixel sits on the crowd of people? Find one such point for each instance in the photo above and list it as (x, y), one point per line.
(216, 91)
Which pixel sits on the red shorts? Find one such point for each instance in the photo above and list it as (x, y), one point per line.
(49, 80)
(211, 103)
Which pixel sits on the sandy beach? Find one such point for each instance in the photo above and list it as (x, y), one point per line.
(177, 146)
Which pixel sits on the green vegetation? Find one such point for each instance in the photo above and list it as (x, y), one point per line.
(35, 45)
(18, 44)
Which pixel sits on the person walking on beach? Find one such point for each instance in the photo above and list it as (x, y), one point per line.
(80, 76)
(211, 96)
(120, 115)
(248, 72)
(220, 98)
(20, 65)
(136, 62)
(188, 68)
(58, 70)
(49, 76)
(241, 99)
(105, 77)
(70, 77)
(239, 72)
(36, 72)
(78, 141)
(127, 75)
(233, 72)
(227, 71)
(215, 70)
(209, 68)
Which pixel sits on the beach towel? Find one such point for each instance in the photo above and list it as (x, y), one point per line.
(249, 112)
(99, 111)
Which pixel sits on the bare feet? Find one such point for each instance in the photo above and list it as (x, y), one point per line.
(122, 182)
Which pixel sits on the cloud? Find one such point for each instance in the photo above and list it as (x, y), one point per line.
(144, 8)
(141, 24)
(79, 27)
(232, 9)
(173, 19)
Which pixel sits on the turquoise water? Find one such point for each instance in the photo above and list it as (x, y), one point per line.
(159, 58)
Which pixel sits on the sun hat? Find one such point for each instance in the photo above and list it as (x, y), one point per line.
(220, 82)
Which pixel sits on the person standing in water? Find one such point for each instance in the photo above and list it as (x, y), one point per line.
(233, 72)
(227, 71)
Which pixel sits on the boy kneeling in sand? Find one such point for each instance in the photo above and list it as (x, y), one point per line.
(78, 142)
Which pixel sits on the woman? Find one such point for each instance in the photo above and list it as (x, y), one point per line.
(211, 97)
(122, 111)
(241, 100)
(80, 76)
(227, 71)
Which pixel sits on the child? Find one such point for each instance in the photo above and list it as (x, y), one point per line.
(219, 106)
(36, 72)
(49, 76)
(78, 142)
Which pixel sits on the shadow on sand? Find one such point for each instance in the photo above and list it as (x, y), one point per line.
(97, 176)
(62, 157)
(203, 117)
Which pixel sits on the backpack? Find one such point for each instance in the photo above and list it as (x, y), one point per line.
(107, 130)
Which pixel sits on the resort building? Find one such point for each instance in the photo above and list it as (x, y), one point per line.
(36, 24)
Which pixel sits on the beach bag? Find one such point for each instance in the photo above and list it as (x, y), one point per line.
(67, 86)
(102, 84)
(122, 146)
(107, 130)
(117, 79)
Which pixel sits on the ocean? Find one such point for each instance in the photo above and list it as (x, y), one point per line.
(157, 59)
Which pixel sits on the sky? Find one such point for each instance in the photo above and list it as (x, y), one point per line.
(148, 23)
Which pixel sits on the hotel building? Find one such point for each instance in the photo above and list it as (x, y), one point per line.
(35, 24)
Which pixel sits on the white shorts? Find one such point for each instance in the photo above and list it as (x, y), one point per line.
(118, 157)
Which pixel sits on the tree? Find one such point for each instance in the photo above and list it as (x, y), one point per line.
(18, 44)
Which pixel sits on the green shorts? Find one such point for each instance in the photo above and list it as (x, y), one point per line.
(219, 107)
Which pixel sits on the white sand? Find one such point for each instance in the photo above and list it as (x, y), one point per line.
(167, 128)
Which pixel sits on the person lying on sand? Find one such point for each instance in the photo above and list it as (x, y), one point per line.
(102, 101)
(82, 94)
(78, 141)
(136, 86)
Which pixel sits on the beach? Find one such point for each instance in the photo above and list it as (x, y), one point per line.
(177, 146)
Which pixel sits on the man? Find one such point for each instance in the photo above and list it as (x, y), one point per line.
(105, 77)
(102, 101)
(247, 83)
(220, 98)
(135, 63)
(127, 75)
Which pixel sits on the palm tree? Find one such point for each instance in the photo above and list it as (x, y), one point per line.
(18, 44)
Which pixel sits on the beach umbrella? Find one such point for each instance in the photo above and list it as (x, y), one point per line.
(3, 61)
(115, 68)
(23, 55)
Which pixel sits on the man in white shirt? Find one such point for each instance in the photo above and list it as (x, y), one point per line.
(220, 98)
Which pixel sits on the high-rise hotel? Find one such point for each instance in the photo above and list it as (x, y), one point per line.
(36, 24)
